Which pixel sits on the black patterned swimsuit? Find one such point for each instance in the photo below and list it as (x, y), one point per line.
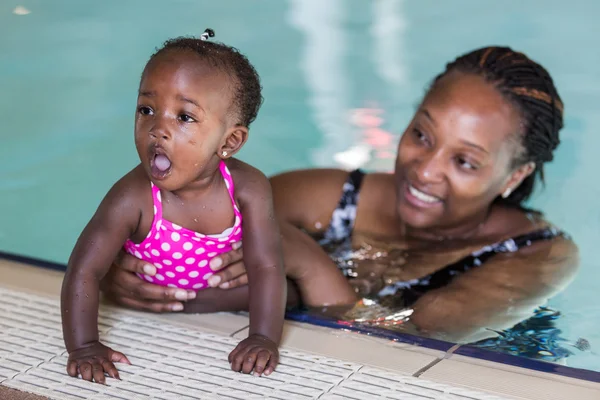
(536, 337)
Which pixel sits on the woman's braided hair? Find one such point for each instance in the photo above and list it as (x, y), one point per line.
(529, 87)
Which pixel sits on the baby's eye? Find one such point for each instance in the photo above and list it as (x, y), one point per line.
(144, 110)
(186, 118)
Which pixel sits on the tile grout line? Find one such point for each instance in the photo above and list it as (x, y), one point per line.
(340, 382)
(446, 356)
(238, 331)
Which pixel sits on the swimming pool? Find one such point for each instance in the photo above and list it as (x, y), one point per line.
(69, 72)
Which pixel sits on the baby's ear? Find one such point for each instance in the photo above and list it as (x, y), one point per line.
(233, 141)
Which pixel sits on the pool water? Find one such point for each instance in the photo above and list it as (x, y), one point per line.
(341, 79)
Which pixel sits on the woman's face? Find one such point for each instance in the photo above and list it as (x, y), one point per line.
(456, 156)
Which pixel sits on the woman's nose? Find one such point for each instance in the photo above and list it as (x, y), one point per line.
(430, 169)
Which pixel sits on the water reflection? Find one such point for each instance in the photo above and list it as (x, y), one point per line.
(323, 68)
(352, 135)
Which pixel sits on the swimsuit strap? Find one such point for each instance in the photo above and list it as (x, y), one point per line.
(441, 278)
(157, 201)
(230, 187)
(344, 215)
(479, 257)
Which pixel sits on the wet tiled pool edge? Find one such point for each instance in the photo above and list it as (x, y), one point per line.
(465, 350)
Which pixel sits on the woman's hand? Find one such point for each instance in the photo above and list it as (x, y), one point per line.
(229, 268)
(122, 285)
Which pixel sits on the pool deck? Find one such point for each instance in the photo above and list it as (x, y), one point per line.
(340, 362)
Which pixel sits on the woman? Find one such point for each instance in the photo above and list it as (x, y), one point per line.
(460, 248)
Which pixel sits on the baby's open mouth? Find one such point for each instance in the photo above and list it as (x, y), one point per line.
(160, 166)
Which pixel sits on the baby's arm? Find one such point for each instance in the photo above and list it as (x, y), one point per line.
(114, 222)
(266, 275)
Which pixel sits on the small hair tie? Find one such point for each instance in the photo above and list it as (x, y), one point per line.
(207, 33)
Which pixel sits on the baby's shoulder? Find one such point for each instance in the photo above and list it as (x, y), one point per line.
(248, 180)
(123, 204)
(134, 185)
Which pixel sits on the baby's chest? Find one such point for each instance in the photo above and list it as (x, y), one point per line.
(209, 218)
(181, 259)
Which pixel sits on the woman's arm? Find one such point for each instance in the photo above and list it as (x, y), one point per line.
(499, 294)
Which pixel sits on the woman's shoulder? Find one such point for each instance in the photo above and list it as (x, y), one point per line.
(376, 212)
(381, 182)
(538, 245)
(511, 222)
(307, 198)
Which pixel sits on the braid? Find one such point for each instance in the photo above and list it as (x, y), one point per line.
(529, 87)
(246, 93)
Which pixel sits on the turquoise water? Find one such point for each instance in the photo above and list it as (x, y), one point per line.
(69, 72)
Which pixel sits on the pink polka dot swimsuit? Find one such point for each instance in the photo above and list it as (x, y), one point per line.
(180, 255)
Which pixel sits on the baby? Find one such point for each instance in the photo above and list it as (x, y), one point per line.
(187, 201)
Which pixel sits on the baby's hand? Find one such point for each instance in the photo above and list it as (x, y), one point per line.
(256, 352)
(93, 361)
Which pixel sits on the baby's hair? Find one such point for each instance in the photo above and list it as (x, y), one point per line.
(246, 91)
(529, 87)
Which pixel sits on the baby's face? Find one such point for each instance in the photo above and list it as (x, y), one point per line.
(181, 119)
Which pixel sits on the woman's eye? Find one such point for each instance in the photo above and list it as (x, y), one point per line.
(420, 136)
(186, 118)
(464, 163)
(145, 110)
